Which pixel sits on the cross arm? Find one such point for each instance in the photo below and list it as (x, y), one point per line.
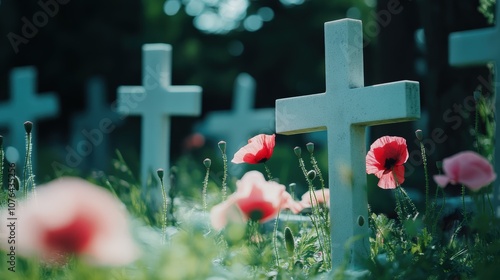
(385, 103)
(468, 47)
(293, 115)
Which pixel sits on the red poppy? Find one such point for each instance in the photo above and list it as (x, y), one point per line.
(255, 199)
(385, 159)
(258, 150)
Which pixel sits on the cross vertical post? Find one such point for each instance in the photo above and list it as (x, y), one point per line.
(239, 124)
(345, 109)
(156, 100)
(475, 47)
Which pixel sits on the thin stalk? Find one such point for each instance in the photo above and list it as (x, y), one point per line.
(164, 212)
(204, 192)
(27, 162)
(224, 177)
(268, 172)
(424, 160)
(275, 240)
(463, 202)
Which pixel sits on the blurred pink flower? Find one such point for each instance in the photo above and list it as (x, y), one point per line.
(468, 168)
(71, 216)
(306, 198)
(385, 159)
(289, 203)
(255, 199)
(258, 150)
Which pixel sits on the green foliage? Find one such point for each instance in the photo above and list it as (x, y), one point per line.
(487, 8)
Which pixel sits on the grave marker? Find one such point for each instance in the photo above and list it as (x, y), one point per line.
(345, 109)
(25, 105)
(242, 122)
(475, 47)
(155, 101)
(90, 129)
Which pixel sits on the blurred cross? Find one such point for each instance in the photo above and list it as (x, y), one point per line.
(91, 129)
(156, 100)
(474, 47)
(240, 124)
(24, 105)
(345, 109)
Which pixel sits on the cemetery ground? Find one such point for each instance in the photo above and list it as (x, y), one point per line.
(169, 231)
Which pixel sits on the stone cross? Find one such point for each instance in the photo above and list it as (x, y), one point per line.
(156, 100)
(90, 129)
(345, 109)
(24, 105)
(476, 47)
(242, 122)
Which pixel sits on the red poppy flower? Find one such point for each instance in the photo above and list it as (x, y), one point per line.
(258, 150)
(70, 216)
(255, 199)
(385, 159)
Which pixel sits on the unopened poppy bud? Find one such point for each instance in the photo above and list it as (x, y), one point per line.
(477, 95)
(298, 151)
(289, 242)
(311, 175)
(160, 173)
(292, 187)
(222, 146)
(207, 162)
(439, 164)
(419, 134)
(310, 147)
(28, 126)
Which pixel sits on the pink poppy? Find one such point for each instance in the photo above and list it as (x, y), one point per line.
(467, 168)
(71, 216)
(258, 150)
(255, 198)
(306, 198)
(385, 159)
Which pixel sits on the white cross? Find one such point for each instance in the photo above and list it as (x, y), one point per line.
(475, 47)
(91, 129)
(156, 100)
(237, 126)
(25, 105)
(345, 110)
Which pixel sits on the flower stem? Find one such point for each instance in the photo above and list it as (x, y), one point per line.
(426, 174)
(463, 202)
(224, 177)
(164, 212)
(268, 172)
(275, 240)
(205, 187)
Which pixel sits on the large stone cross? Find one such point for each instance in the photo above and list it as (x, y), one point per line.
(156, 100)
(345, 110)
(476, 47)
(24, 105)
(237, 126)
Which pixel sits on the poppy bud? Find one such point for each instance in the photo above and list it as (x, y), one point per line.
(418, 134)
(310, 147)
(160, 173)
(207, 162)
(222, 146)
(28, 126)
(298, 151)
(311, 175)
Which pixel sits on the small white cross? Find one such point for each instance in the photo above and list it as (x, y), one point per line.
(474, 47)
(25, 105)
(243, 122)
(345, 110)
(156, 100)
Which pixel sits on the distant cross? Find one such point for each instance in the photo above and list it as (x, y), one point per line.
(476, 47)
(156, 100)
(25, 105)
(345, 110)
(243, 122)
(91, 129)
